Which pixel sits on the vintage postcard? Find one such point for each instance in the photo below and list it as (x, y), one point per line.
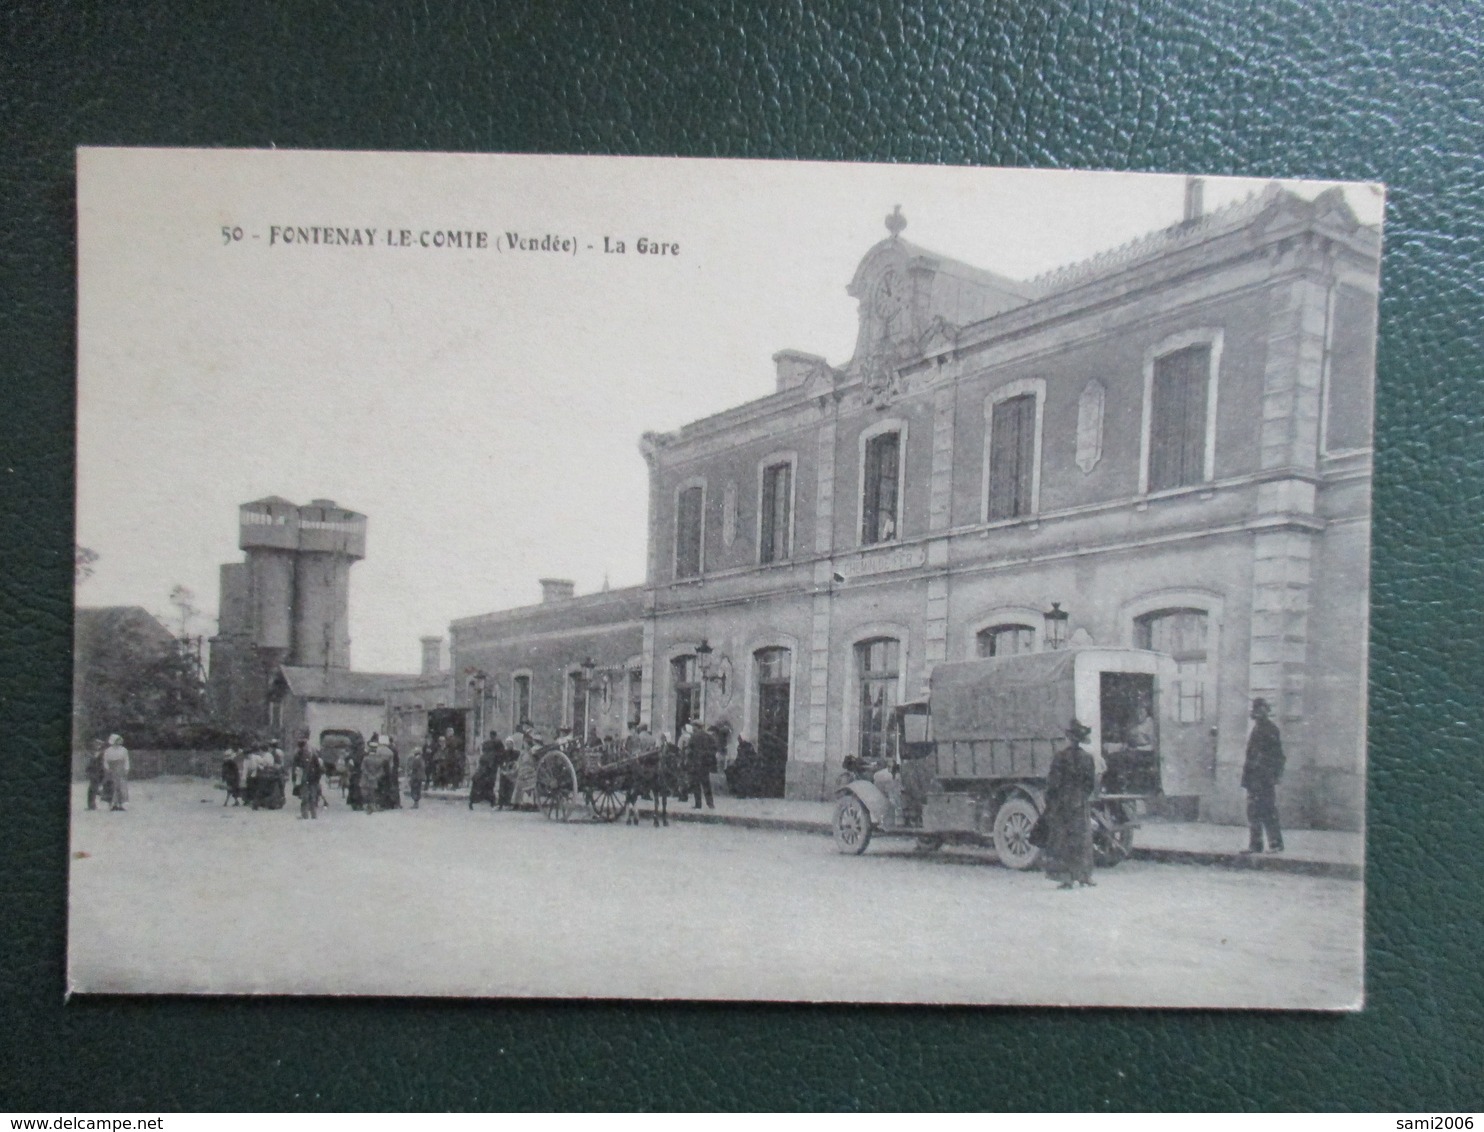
(684, 579)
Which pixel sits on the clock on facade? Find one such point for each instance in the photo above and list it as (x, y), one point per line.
(889, 305)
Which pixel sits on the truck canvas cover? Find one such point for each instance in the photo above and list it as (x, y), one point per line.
(1011, 697)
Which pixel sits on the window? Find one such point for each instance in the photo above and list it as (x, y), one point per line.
(685, 683)
(775, 534)
(1182, 634)
(1178, 395)
(1006, 640)
(689, 519)
(520, 700)
(877, 665)
(636, 696)
(879, 488)
(1012, 457)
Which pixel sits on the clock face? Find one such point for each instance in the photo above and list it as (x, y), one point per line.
(889, 303)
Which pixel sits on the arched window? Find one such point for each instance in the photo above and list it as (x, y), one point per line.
(1006, 640)
(1182, 634)
(878, 672)
(685, 684)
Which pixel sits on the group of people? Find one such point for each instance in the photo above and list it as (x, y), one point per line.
(1073, 778)
(107, 772)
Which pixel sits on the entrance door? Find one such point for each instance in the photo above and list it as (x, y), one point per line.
(774, 670)
(1188, 727)
(685, 685)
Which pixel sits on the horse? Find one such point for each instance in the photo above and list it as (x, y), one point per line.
(656, 774)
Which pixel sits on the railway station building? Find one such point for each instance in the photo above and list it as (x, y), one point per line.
(1166, 446)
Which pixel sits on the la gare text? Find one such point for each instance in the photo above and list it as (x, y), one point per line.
(461, 239)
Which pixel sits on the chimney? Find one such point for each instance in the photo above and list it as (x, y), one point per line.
(557, 589)
(796, 367)
(1194, 197)
(432, 655)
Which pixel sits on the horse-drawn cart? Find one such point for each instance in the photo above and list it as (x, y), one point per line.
(597, 776)
(608, 779)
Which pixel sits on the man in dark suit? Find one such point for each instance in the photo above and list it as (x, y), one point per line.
(1260, 775)
(700, 758)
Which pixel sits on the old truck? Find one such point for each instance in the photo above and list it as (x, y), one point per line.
(969, 763)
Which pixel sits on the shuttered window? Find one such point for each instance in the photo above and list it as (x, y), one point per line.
(1177, 418)
(688, 532)
(777, 522)
(1012, 454)
(879, 503)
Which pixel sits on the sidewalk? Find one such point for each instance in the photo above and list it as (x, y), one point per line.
(1310, 852)
(1314, 852)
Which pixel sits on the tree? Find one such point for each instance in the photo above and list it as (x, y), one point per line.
(131, 675)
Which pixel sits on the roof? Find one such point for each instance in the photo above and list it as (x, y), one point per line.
(1272, 198)
(340, 683)
(620, 605)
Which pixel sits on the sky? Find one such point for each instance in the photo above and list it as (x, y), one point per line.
(482, 406)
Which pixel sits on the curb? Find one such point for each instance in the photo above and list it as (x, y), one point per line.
(1238, 862)
(1292, 866)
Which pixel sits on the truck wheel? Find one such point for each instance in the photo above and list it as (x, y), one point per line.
(852, 825)
(1012, 833)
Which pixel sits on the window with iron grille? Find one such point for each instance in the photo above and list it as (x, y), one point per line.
(688, 524)
(777, 520)
(879, 489)
(1012, 455)
(1177, 418)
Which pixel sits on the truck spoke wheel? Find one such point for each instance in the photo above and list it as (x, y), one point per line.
(1012, 833)
(852, 825)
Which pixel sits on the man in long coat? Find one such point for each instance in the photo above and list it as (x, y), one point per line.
(93, 769)
(1260, 775)
(700, 761)
(308, 770)
(1069, 786)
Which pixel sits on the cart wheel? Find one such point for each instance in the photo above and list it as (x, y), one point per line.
(556, 785)
(607, 804)
(1012, 833)
(1112, 840)
(852, 825)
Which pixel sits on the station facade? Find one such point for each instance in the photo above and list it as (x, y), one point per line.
(1168, 444)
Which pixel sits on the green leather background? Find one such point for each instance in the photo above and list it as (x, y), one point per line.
(1390, 90)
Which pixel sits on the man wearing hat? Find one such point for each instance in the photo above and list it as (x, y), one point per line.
(1069, 785)
(1260, 775)
(116, 768)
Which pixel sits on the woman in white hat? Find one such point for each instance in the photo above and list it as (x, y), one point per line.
(116, 769)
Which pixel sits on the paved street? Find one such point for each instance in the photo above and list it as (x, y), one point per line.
(182, 895)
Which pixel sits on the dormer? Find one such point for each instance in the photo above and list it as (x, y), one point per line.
(905, 291)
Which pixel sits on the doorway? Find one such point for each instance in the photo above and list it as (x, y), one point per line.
(774, 672)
